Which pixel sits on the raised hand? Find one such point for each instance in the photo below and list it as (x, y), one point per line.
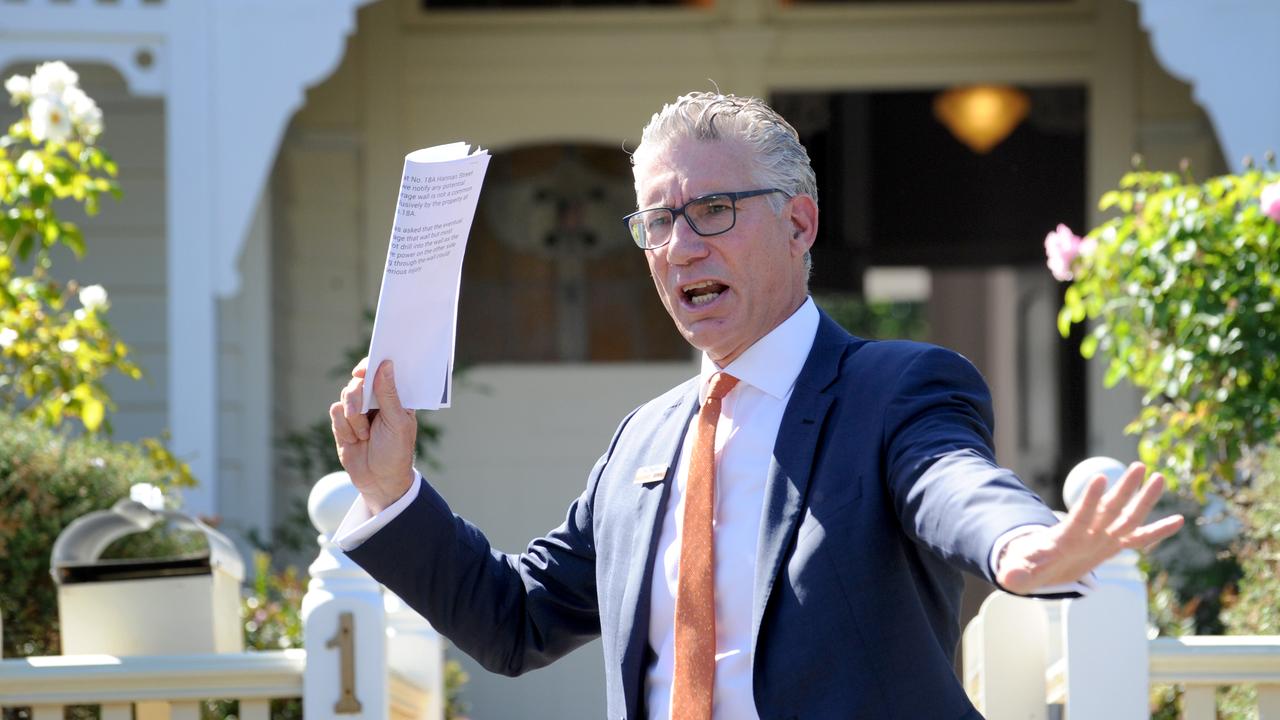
(376, 449)
(1102, 524)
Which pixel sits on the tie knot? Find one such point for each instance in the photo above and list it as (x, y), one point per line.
(721, 384)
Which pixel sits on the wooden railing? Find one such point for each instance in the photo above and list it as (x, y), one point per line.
(155, 687)
(367, 655)
(1200, 665)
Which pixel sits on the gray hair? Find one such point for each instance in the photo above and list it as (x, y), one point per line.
(781, 161)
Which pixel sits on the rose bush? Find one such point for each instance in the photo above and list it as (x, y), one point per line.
(53, 354)
(1181, 289)
(1269, 201)
(1062, 248)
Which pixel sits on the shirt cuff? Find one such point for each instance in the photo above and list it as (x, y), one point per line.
(1083, 586)
(359, 524)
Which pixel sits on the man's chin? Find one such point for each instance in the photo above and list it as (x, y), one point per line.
(708, 336)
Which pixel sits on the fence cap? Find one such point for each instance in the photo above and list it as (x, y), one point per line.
(1086, 470)
(329, 501)
(77, 552)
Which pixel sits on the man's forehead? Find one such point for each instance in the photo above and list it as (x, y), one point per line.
(691, 165)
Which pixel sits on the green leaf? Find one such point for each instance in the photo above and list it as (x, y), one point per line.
(73, 238)
(1115, 372)
(1089, 346)
(26, 241)
(91, 413)
(1064, 322)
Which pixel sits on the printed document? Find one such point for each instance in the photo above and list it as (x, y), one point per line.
(418, 306)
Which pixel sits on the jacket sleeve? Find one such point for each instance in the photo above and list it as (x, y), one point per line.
(512, 613)
(940, 466)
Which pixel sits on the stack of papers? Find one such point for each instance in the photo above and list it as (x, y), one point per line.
(418, 306)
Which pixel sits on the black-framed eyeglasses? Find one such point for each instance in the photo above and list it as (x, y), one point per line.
(707, 215)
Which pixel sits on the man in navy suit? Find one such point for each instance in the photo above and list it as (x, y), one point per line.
(826, 498)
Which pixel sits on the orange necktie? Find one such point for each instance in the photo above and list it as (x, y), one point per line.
(695, 662)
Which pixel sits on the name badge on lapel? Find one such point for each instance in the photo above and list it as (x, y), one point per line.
(650, 474)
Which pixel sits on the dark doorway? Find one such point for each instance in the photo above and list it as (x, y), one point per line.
(899, 190)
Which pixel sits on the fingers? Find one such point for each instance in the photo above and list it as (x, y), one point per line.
(352, 406)
(342, 432)
(1148, 536)
(361, 367)
(1082, 516)
(1115, 501)
(384, 388)
(1136, 513)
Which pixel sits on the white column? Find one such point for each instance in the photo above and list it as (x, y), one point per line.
(189, 227)
(340, 589)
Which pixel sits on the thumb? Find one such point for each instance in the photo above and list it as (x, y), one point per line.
(384, 388)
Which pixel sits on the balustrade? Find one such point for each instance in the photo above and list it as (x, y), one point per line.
(367, 655)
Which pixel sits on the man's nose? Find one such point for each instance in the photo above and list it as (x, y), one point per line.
(685, 244)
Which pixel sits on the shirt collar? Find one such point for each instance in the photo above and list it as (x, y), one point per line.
(773, 362)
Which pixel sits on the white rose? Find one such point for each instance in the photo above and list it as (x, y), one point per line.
(7, 336)
(77, 101)
(19, 87)
(69, 345)
(49, 120)
(90, 122)
(30, 163)
(147, 494)
(93, 297)
(84, 112)
(53, 78)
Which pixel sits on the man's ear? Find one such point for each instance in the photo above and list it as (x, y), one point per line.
(803, 224)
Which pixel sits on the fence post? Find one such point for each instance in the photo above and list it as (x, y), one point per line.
(344, 622)
(1104, 635)
(416, 651)
(1005, 649)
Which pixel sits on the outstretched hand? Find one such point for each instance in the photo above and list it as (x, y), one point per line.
(1102, 524)
(376, 449)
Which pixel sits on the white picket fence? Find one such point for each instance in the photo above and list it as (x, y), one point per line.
(1093, 658)
(366, 655)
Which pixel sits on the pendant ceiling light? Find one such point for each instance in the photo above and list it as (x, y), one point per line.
(981, 116)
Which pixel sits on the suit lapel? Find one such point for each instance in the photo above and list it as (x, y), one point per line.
(650, 504)
(793, 456)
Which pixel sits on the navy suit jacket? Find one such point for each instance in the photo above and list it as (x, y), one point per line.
(882, 487)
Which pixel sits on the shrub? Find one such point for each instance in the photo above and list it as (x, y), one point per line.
(1181, 289)
(47, 480)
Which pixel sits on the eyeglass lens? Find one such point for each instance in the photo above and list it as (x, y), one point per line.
(706, 216)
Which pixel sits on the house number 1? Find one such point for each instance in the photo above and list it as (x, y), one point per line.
(345, 641)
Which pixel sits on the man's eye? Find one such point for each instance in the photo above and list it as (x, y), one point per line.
(659, 221)
(717, 206)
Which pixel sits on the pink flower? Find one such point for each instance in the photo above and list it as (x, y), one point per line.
(1271, 201)
(1062, 247)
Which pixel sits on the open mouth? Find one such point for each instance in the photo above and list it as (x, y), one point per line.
(703, 292)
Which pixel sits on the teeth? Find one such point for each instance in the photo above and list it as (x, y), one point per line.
(695, 286)
(704, 299)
